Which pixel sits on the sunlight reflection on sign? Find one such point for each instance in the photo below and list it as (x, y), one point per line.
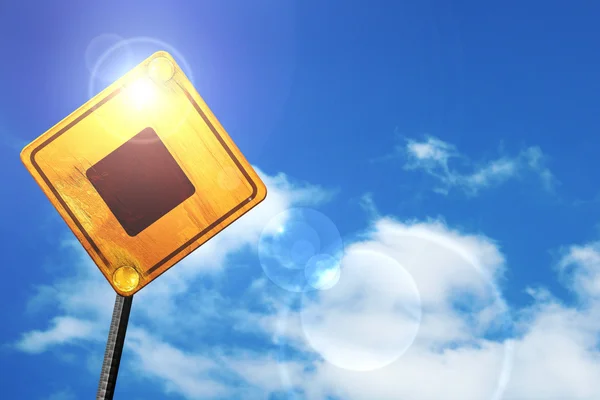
(141, 93)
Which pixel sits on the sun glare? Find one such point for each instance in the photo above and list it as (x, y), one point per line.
(141, 92)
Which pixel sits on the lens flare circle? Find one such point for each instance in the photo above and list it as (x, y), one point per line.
(336, 322)
(322, 271)
(351, 324)
(300, 250)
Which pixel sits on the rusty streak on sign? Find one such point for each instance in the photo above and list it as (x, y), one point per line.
(143, 174)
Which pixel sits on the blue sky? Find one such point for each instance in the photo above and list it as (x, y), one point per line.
(450, 146)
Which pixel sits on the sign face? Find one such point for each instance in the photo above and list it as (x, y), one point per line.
(143, 174)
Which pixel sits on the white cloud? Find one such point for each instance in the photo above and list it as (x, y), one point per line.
(432, 151)
(434, 157)
(580, 266)
(263, 372)
(178, 371)
(63, 330)
(370, 318)
(557, 356)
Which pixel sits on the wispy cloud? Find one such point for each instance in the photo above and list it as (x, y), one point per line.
(580, 267)
(367, 203)
(63, 330)
(453, 170)
(185, 373)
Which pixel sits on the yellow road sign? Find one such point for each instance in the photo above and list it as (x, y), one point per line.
(143, 174)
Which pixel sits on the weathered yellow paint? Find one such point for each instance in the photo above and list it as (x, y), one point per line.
(154, 94)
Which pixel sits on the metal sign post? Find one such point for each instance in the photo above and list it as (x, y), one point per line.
(114, 348)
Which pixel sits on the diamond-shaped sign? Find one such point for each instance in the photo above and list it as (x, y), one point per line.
(143, 174)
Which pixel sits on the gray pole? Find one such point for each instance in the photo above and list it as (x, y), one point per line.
(114, 348)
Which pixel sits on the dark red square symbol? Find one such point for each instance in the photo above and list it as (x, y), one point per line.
(140, 181)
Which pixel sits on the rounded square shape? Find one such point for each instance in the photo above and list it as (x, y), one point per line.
(143, 173)
(140, 181)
